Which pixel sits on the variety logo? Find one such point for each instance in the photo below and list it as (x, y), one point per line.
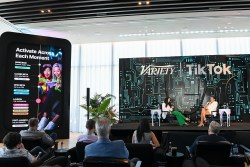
(157, 70)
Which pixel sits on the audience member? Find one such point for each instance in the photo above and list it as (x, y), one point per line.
(90, 136)
(213, 131)
(47, 140)
(207, 109)
(144, 135)
(168, 108)
(103, 147)
(15, 148)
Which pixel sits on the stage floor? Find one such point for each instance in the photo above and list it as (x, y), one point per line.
(244, 126)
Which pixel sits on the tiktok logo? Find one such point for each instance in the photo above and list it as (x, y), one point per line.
(211, 68)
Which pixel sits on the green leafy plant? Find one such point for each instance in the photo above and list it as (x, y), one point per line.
(100, 107)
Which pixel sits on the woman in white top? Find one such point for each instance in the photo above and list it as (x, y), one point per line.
(167, 107)
(143, 134)
(207, 109)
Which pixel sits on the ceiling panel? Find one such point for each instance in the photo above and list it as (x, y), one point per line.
(113, 20)
(29, 11)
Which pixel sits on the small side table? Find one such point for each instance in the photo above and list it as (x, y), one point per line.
(228, 112)
(175, 161)
(154, 111)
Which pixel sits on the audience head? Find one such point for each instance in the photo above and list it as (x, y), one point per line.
(33, 122)
(103, 126)
(90, 124)
(143, 127)
(214, 128)
(12, 139)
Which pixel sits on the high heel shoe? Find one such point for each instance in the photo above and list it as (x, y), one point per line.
(200, 125)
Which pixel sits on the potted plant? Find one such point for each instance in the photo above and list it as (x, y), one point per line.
(100, 107)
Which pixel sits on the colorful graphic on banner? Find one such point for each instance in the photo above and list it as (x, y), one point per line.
(189, 80)
(35, 84)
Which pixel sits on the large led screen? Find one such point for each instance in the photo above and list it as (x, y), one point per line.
(36, 76)
(189, 80)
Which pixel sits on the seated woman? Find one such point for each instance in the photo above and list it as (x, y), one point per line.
(167, 107)
(207, 109)
(143, 134)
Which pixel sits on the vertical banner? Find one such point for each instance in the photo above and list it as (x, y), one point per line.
(189, 80)
(35, 74)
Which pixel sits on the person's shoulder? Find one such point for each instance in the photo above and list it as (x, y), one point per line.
(23, 131)
(89, 146)
(117, 142)
(202, 137)
(222, 138)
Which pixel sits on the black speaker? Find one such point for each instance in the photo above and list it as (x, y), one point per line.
(88, 96)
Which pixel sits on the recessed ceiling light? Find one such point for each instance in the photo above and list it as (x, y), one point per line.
(185, 32)
(147, 2)
(45, 11)
(139, 3)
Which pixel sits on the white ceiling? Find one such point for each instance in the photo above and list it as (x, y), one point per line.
(148, 26)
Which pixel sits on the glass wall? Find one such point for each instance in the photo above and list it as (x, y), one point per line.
(96, 66)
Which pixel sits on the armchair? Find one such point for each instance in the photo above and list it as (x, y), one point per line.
(246, 151)
(142, 151)
(15, 161)
(105, 162)
(31, 142)
(212, 154)
(80, 151)
(213, 115)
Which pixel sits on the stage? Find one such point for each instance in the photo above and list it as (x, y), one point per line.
(238, 132)
(242, 126)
